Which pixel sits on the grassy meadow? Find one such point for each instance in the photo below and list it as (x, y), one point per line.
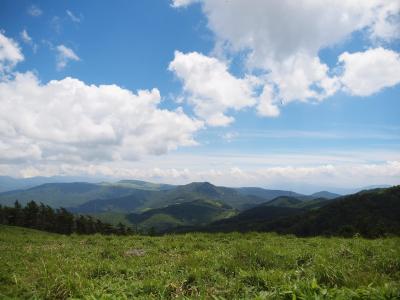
(39, 265)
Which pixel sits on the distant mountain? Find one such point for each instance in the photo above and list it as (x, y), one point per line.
(325, 194)
(142, 185)
(135, 200)
(267, 194)
(284, 201)
(9, 183)
(64, 194)
(292, 202)
(136, 196)
(314, 203)
(197, 212)
(303, 202)
(126, 196)
(370, 213)
(206, 190)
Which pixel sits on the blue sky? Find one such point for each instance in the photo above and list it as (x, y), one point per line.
(242, 97)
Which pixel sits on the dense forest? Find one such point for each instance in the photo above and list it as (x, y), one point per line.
(44, 217)
(372, 213)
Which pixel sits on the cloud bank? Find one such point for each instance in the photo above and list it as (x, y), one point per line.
(70, 121)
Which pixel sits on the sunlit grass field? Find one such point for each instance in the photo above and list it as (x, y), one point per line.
(38, 265)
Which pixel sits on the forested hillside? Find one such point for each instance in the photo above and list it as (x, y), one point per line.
(43, 217)
(369, 213)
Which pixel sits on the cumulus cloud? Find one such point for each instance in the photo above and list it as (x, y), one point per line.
(365, 73)
(64, 55)
(34, 11)
(211, 88)
(69, 120)
(10, 53)
(283, 39)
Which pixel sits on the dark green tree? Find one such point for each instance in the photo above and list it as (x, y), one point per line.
(31, 215)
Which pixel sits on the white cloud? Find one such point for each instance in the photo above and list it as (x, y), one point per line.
(10, 53)
(302, 77)
(182, 3)
(266, 106)
(34, 11)
(229, 136)
(27, 39)
(73, 17)
(283, 38)
(68, 120)
(365, 73)
(304, 178)
(64, 55)
(387, 22)
(211, 88)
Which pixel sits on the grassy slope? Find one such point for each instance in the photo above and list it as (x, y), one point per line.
(232, 266)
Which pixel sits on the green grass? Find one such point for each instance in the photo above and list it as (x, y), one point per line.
(37, 265)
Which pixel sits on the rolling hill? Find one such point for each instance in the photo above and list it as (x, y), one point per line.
(197, 212)
(136, 200)
(140, 200)
(285, 201)
(64, 194)
(266, 193)
(8, 183)
(325, 194)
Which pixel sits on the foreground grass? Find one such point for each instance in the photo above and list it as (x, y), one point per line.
(39, 265)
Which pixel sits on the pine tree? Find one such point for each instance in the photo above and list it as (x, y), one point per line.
(64, 221)
(17, 215)
(31, 215)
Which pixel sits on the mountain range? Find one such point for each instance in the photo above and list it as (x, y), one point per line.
(203, 206)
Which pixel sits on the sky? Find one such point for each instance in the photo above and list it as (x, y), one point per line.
(300, 95)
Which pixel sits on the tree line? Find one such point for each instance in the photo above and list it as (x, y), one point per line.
(44, 217)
